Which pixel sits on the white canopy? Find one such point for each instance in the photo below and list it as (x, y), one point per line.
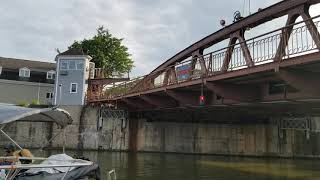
(10, 113)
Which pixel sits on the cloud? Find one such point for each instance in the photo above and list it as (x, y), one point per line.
(152, 30)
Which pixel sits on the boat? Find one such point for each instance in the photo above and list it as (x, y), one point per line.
(55, 167)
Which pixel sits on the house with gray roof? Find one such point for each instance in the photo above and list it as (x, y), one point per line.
(24, 81)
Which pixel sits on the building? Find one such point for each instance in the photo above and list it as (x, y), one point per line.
(26, 81)
(73, 71)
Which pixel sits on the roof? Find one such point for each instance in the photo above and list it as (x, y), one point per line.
(12, 63)
(10, 113)
(72, 52)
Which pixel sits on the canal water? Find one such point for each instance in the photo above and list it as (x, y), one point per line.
(156, 166)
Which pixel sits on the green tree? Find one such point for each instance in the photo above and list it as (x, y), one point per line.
(107, 52)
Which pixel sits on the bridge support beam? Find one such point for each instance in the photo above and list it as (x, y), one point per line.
(184, 98)
(241, 93)
(137, 103)
(170, 76)
(198, 56)
(305, 81)
(310, 25)
(293, 15)
(239, 35)
(158, 101)
(121, 105)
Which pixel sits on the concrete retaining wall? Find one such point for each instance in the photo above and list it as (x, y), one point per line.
(27, 134)
(226, 139)
(250, 139)
(83, 133)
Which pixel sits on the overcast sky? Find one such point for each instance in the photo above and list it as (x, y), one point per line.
(153, 30)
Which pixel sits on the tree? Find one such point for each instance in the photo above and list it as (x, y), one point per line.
(107, 52)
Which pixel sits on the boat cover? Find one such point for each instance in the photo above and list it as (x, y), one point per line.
(57, 159)
(58, 172)
(10, 113)
(76, 174)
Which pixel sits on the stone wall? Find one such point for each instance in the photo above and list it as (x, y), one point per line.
(227, 139)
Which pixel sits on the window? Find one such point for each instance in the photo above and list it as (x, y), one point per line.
(72, 65)
(51, 75)
(64, 65)
(49, 95)
(24, 72)
(79, 65)
(73, 88)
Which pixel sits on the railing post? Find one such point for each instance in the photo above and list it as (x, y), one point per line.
(285, 35)
(253, 44)
(166, 77)
(210, 68)
(170, 76)
(228, 56)
(311, 26)
(245, 49)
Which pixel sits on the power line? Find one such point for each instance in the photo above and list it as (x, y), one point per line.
(243, 7)
(249, 7)
(246, 8)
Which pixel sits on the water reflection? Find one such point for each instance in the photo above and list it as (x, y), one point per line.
(156, 166)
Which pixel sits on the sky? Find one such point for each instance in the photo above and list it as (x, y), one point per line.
(153, 31)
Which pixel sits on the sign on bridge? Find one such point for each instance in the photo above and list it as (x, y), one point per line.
(183, 72)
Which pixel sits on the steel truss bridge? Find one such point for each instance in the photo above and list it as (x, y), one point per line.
(281, 66)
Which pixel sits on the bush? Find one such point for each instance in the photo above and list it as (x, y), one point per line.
(35, 102)
(23, 103)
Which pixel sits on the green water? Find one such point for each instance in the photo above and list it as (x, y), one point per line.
(156, 166)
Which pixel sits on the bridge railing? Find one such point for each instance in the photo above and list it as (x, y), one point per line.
(122, 88)
(101, 73)
(266, 48)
